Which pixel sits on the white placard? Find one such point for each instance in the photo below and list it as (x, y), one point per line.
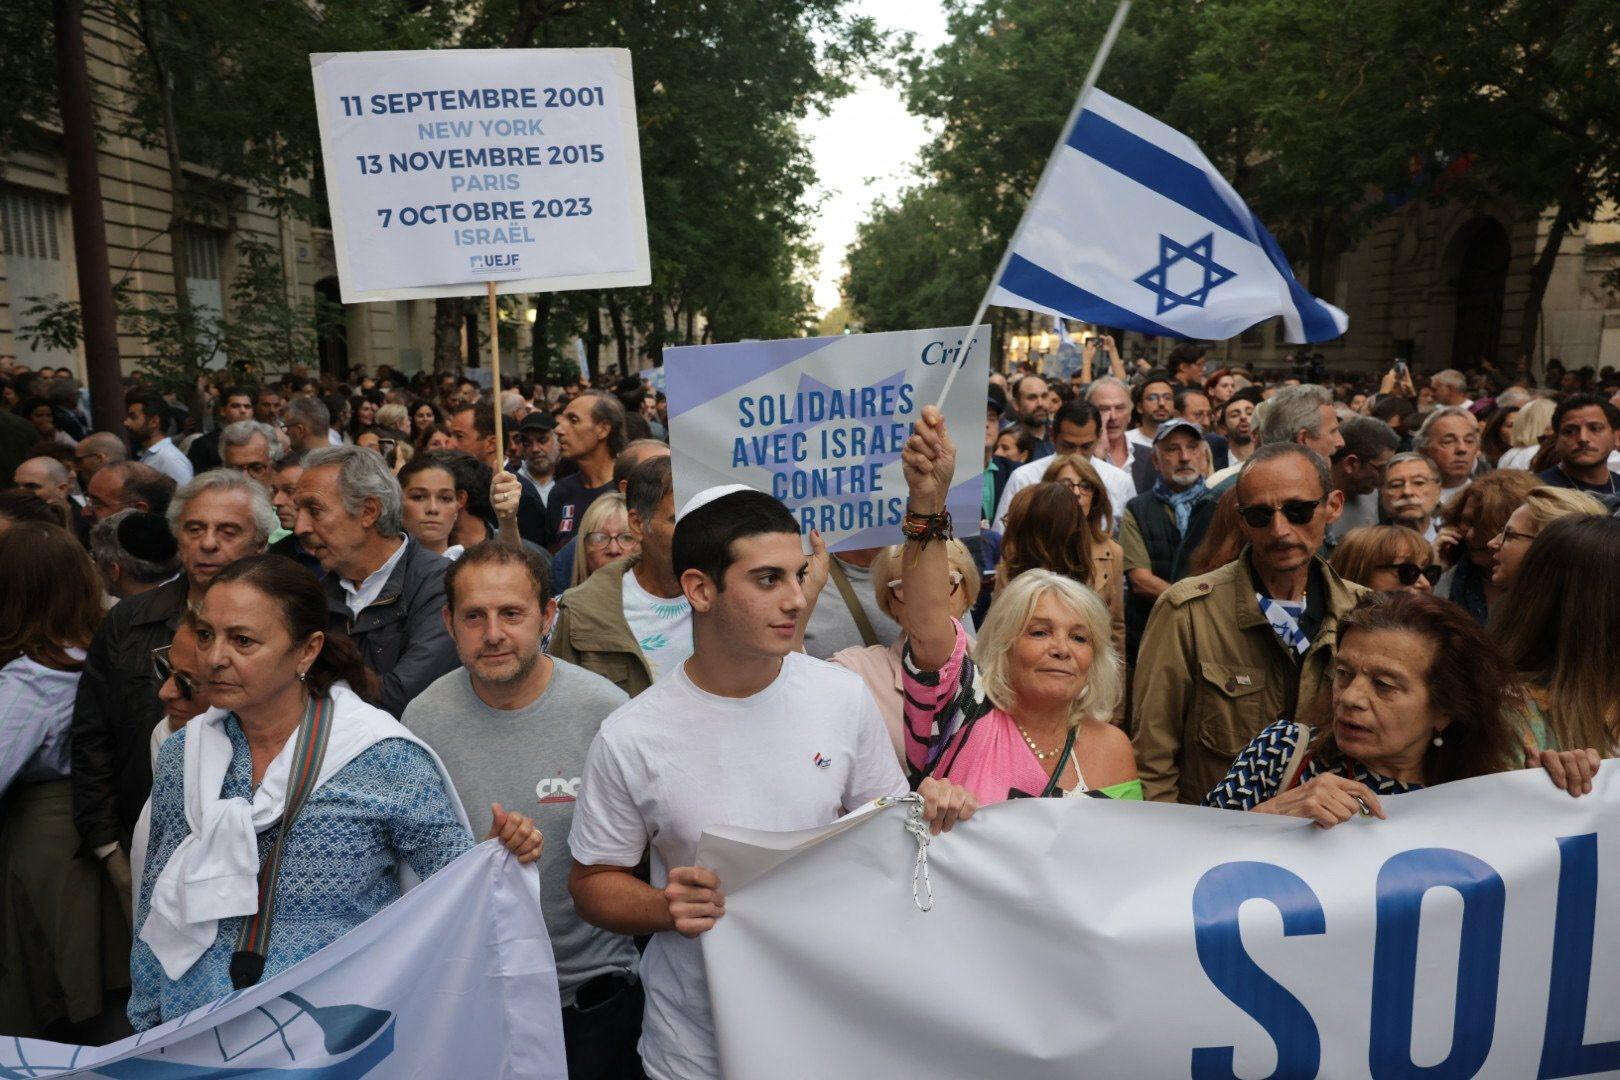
(447, 170)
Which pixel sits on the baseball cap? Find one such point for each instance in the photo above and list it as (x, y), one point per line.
(1167, 428)
(539, 420)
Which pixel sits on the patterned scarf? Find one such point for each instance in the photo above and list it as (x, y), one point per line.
(1284, 616)
(1181, 502)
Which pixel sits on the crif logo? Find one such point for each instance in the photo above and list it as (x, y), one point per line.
(557, 789)
(822, 762)
(507, 261)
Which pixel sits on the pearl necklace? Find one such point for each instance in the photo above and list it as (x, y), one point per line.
(1040, 755)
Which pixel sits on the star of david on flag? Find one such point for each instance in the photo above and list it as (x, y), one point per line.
(1131, 226)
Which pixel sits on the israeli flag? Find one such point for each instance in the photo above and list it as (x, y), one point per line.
(1132, 227)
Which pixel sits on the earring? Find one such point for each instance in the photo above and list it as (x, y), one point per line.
(302, 675)
(1438, 741)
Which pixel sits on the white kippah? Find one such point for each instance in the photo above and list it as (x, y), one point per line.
(708, 495)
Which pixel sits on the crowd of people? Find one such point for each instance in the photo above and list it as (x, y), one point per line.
(270, 652)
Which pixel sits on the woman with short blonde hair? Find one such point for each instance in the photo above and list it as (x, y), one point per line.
(1543, 506)
(604, 535)
(1028, 713)
(1530, 423)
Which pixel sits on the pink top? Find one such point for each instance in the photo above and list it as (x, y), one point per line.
(983, 749)
(879, 665)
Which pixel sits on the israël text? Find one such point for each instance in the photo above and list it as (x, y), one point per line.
(480, 140)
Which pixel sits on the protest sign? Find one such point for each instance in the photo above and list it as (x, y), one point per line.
(449, 170)
(454, 979)
(819, 423)
(1464, 936)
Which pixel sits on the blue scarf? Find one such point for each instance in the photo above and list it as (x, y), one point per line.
(1181, 503)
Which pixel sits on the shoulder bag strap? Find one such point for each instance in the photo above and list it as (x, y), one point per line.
(852, 602)
(1296, 758)
(253, 942)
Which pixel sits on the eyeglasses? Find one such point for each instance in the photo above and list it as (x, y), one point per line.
(1508, 534)
(606, 539)
(1296, 511)
(898, 587)
(1407, 573)
(1077, 486)
(166, 671)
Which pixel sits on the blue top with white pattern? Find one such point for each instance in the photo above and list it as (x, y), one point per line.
(387, 806)
(1257, 773)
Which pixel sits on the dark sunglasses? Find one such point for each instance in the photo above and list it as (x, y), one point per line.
(1407, 573)
(1297, 511)
(165, 671)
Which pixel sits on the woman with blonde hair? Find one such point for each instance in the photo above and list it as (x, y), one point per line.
(1530, 423)
(1386, 557)
(1028, 714)
(393, 417)
(880, 665)
(1062, 524)
(1541, 508)
(604, 532)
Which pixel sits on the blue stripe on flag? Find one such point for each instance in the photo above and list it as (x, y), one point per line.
(1154, 168)
(1317, 322)
(1045, 288)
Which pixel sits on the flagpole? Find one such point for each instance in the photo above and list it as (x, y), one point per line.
(1103, 50)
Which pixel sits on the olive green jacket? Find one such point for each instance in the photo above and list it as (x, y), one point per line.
(1211, 674)
(591, 630)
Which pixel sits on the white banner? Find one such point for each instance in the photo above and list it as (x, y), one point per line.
(1465, 936)
(446, 170)
(455, 979)
(820, 422)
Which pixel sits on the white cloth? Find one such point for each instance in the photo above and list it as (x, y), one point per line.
(167, 459)
(1121, 488)
(662, 627)
(455, 551)
(359, 597)
(543, 489)
(1517, 457)
(334, 437)
(676, 760)
(1449, 494)
(1135, 437)
(214, 873)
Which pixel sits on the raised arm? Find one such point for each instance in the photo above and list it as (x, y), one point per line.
(929, 461)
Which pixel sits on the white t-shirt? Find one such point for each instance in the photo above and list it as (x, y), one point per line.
(663, 628)
(1121, 488)
(675, 760)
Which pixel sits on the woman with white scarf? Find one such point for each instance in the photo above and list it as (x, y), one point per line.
(379, 806)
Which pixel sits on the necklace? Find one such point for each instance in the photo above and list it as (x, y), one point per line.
(1040, 755)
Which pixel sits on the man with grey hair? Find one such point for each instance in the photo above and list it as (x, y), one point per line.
(1229, 652)
(1450, 438)
(95, 450)
(246, 446)
(307, 421)
(1302, 414)
(218, 517)
(1450, 388)
(1409, 493)
(135, 553)
(383, 589)
(128, 485)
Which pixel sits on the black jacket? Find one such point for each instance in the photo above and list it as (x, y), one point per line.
(116, 708)
(401, 634)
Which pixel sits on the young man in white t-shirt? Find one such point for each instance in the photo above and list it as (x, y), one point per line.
(747, 732)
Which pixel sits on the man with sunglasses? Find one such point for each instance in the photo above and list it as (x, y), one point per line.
(1227, 653)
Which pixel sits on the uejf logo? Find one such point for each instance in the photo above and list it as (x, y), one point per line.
(486, 263)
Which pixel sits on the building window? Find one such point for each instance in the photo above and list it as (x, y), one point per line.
(31, 235)
(205, 284)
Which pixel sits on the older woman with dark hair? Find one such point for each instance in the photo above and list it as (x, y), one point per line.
(1417, 699)
(1385, 557)
(63, 933)
(1468, 525)
(288, 733)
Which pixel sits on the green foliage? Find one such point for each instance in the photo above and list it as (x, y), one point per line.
(27, 71)
(920, 261)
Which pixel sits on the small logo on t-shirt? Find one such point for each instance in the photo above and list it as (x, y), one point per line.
(822, 762)
(557, 789)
